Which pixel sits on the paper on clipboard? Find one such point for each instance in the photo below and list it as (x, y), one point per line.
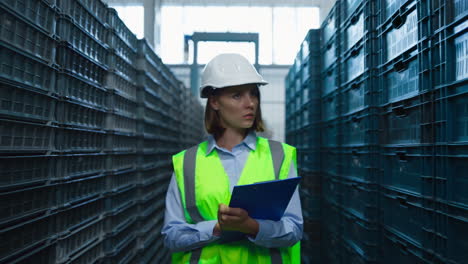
(264, 200)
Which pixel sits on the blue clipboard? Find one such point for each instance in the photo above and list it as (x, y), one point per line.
(264, 200)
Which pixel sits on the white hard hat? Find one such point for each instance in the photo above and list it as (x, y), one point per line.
(228, 69)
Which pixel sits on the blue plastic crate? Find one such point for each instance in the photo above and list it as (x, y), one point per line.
(397, 249)
(79, 115)
(330, 54)
(446, 12)
(408, 216)
(43, 254)
(80, 189)
(332, 190)
(361, 128)
(119, 237)
(117, 122)
(360, 62)
(120, 48)
(402, 35)
(20, 239)
(349, 8)
(330, 134)
(73, 62)
(79, 140)
(78, 240)
(408, 122)
(23, 35)
(26, 137)
(360, 199)
(16, 171)
(20, 103)
(125, 254)
(449, 56)
(75, 216)
(391, 10)
(408, 170)
(331, 107)
(360, 164)
(333, 218)
(117, 218)
(330, 25)
(451, 172)
(121, 179)
(309, 160)
(333, 248)
(72, 34)
(94, 26)
(37, 12)
(120, 198)
(330, 81)
(360, 24)
(71, 87)
(33, 201)
(451, 230)
(18, 67)
(359, 94)
(361, 240)
(121, 29)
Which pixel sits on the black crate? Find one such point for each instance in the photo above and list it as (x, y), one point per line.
(78, 115)
(17, 171)
(123, 105)
(121, 66)
(26, 137)
(43, 254)
(78, 240)
(361, 128)
(72, 34)
(89, 255)
(17, 32)
(451, 229)
(333, 248)
(409, 170)
(120, 123)
(360, 164)
(122, 142)
(117, 25)
(80, 189)
(29, 202)
(332, 190)
(118, 238)
(89, 22)
(78, 215)
(73, 88)
(398, 249)
(451, 174)
(26, 236)
(121, 161)
(329, 161)
(119, 217)
(26, 70)
(408, 216)
(80, 140)
(407, 122)
(360, 199)
(122, 49)
(333, 219)
(121, 85)
(120, 198)
(37, 12)
(121, 179)
(448, 12)
(361, 240)
(74, 62)
(20, 103)
(78, 165)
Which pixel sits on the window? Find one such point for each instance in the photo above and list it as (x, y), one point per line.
(281, 31)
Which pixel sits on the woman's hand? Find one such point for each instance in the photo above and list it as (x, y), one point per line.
(236, 219)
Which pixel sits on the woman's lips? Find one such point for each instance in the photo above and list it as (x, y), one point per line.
(249, 116)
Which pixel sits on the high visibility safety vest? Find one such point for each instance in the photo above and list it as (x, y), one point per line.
(204, 184)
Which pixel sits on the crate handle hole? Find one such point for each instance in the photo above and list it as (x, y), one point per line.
(398, 21)
(355, 19)
(399, 111)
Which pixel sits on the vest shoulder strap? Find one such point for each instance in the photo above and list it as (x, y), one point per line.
(277, 154)
(189, 183)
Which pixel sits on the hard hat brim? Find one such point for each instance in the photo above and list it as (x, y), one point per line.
(205, 92)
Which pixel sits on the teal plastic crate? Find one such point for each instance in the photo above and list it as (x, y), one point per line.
(447, 12)
(37, 12)
(75, 140)
(119, 27)
(26, 137)
(360, 164)
(19, 171)
(73, 88)
(361, 240)
(78, 115)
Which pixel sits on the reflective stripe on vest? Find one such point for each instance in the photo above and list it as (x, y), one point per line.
(192, 164)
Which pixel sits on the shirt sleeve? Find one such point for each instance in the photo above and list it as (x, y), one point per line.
(287, 231)
(178, 234)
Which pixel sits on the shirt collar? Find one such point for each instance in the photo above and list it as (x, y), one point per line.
(250, 141)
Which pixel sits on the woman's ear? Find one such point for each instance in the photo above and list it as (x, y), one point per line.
(214, 104)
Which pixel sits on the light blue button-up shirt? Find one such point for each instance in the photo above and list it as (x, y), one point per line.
(181, 236)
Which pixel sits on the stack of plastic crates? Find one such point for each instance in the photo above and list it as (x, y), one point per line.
(406, 122)
(450, 78)
(330, 133)
(358, 153)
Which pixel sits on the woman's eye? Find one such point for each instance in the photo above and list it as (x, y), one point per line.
(236, 96)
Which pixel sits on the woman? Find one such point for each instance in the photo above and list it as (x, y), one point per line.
(197, 218)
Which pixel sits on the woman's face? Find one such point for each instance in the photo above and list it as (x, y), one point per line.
(237, 106)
